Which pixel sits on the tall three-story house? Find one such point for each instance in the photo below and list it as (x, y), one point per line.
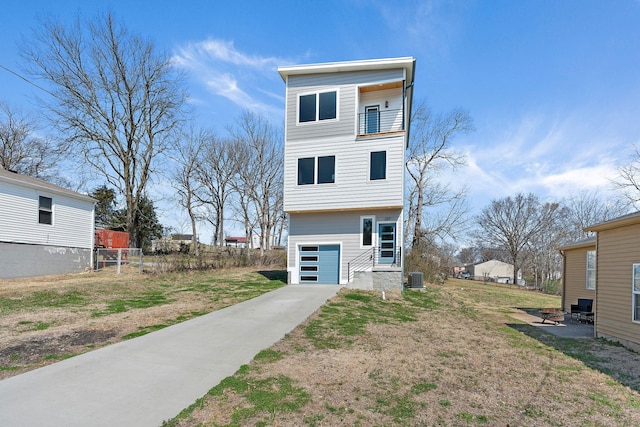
(346, 132)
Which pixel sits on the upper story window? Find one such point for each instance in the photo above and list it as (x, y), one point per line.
(45, 210)
(591, 270)
(326, 166)
(378, 165)
(318, 106)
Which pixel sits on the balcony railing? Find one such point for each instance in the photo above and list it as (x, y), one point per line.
(380, 121)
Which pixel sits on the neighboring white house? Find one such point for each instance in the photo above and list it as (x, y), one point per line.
(498, 271)
(346, 132)
(44, 229)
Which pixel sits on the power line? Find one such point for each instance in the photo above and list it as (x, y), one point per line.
(26, 80)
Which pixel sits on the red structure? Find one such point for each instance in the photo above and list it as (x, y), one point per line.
(111, 239)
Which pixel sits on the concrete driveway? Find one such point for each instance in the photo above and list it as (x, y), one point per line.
(147, 380)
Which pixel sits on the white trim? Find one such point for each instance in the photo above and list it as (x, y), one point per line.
(386, 168)
(592, 270)
(407, 62)
(295, 278)
(634, 294)
(373, 231)
(317, 93)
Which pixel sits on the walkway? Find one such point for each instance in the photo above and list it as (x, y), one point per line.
(147, 380)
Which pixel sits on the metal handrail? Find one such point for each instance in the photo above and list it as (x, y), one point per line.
(380, 121)
(369, 259)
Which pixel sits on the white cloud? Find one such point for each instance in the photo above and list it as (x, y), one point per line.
(241, 78)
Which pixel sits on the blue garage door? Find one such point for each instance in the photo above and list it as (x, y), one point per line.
(320, 264)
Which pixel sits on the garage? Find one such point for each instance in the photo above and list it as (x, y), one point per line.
(319, 264)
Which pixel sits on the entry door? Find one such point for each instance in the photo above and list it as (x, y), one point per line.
(372, 118)
(387, 243)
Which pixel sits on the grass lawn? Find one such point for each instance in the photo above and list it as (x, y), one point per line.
(46, 319)
(448, 355)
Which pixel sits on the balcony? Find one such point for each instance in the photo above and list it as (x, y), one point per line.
(375, 121)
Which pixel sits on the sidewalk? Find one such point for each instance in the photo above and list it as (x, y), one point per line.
(147, 380)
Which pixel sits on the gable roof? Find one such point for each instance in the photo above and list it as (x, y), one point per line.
(38, 184)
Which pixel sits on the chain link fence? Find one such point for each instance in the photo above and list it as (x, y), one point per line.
(119, 258)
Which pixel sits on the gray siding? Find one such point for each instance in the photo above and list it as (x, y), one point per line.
(347, 86)
(335, 227)
(352, 188)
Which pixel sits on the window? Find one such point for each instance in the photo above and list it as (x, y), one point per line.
(306, 170)
(45, 210)
(307, 108)
(366, 231)
(636, 293)
(320, 106)
(327, 106)
(378, 168)
(326, 169)
(591, 270)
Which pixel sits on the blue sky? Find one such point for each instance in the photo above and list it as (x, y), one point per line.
(553, 86)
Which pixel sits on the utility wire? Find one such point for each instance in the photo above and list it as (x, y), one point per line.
(26, 80)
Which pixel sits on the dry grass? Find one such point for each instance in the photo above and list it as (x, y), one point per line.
(45, 319)
(450, 355)
(462, 362)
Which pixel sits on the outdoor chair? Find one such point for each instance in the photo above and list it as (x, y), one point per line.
(583, 306)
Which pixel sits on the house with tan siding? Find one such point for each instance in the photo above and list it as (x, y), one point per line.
(578, 275)
(346, 132)
(617, 312)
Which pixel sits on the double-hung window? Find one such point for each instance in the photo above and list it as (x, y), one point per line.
(45, 210)
(318, 106)
(591, 270)
(326, 167)
(635, 293)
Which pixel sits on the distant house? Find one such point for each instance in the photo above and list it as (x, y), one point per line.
(494, 270)
(44, 228)
(173, 243)
(241, 242)
(346, 132)
(579, 272)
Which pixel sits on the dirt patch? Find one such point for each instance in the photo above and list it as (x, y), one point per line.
(76, 314)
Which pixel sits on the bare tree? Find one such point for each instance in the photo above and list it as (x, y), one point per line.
(430, 153)
(628, 180)
(513, 223)
(216, 171)
(185, 181)
(21, 150)
(117, 100)
(260, 174)
(588, 208)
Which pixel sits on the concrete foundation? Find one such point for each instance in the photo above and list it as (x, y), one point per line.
(22, 260)
(380, 279)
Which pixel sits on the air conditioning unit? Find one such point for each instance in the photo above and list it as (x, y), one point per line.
(415, 281)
